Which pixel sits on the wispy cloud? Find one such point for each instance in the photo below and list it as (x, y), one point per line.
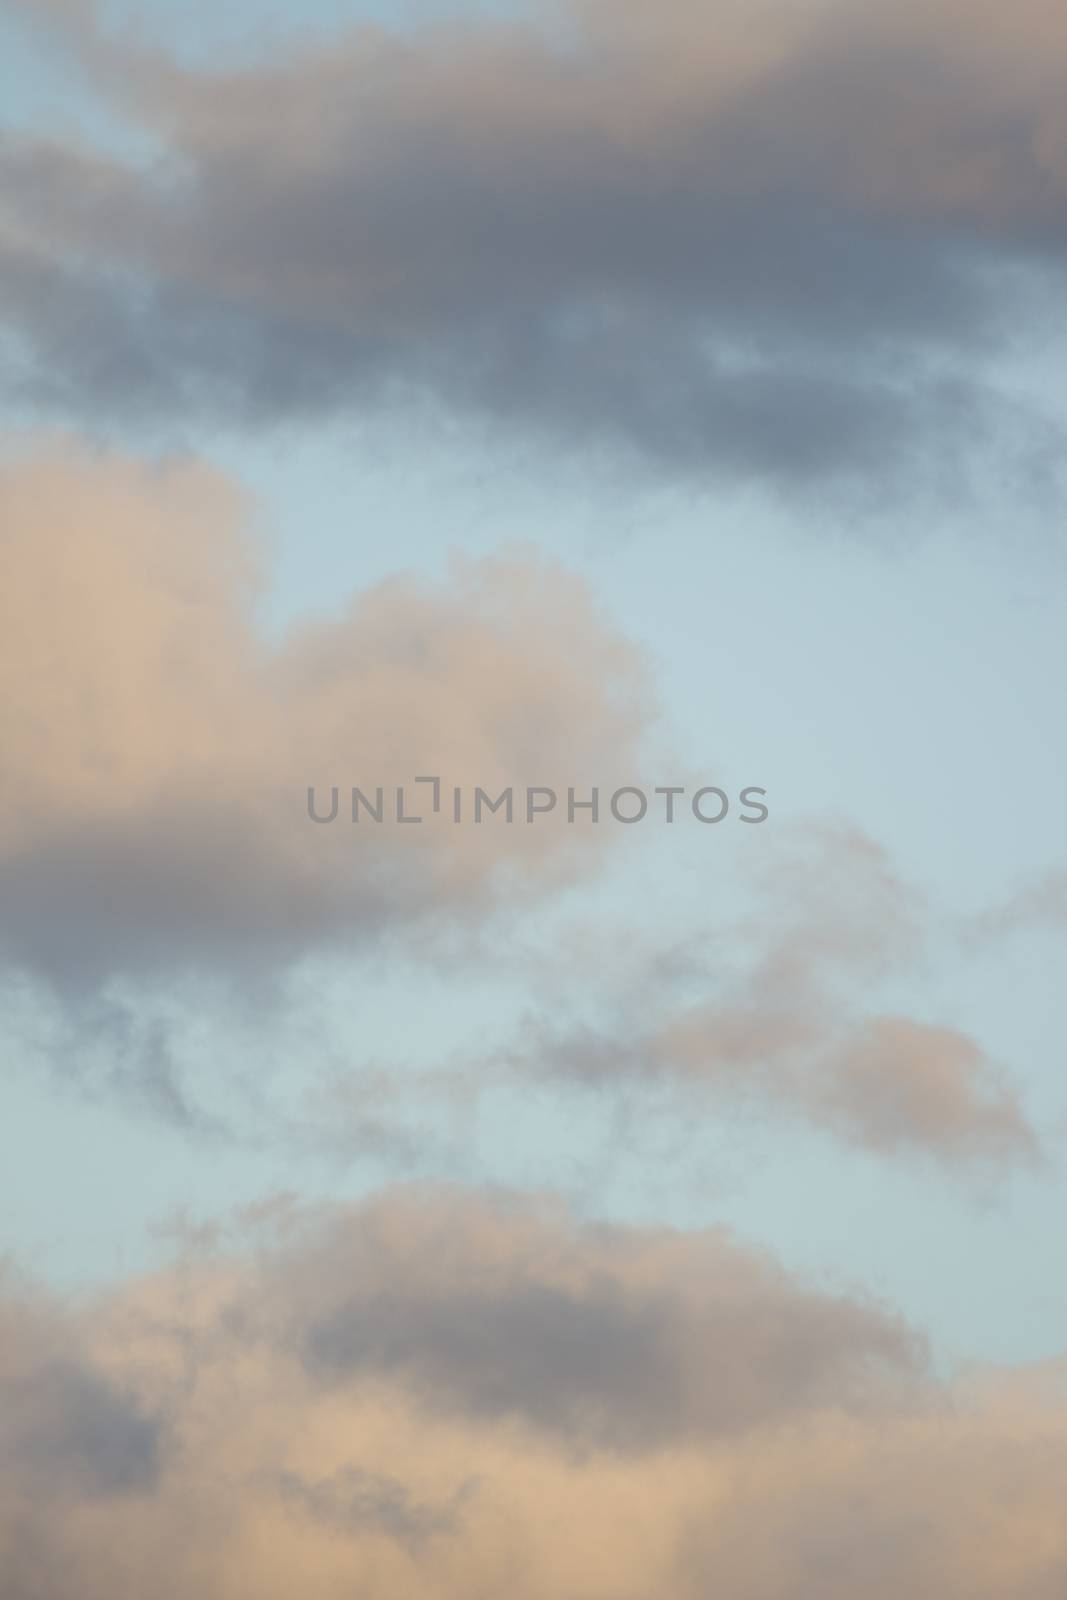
(794, 1019)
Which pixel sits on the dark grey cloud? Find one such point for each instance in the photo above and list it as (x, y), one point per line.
(792, 259)
(611, 1338)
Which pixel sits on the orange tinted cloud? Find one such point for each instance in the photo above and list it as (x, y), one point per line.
(678, 1416)
(157, 753)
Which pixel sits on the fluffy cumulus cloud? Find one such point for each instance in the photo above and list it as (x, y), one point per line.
(445, 1396)
(789, 248)
(158, 753)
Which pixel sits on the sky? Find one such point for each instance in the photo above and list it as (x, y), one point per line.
(545, 399)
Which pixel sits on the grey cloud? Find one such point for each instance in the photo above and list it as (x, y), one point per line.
(610, 1338)
(66, 1423)
(65, 1427)
(793, 259)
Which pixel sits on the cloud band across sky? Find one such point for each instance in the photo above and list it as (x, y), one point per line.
(444, 1394)
(792, 253)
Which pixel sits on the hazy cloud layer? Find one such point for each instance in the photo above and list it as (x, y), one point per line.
(679, 1417)
(157, 753)
(788, 250)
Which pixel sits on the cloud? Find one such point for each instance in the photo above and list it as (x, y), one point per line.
(605, 1337)
(158, 753)
(897, 1083)
(742, 1431)
(926, 1510)
(66, 1428)
(793, 258)
(790, 1021)
(1039, 904)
